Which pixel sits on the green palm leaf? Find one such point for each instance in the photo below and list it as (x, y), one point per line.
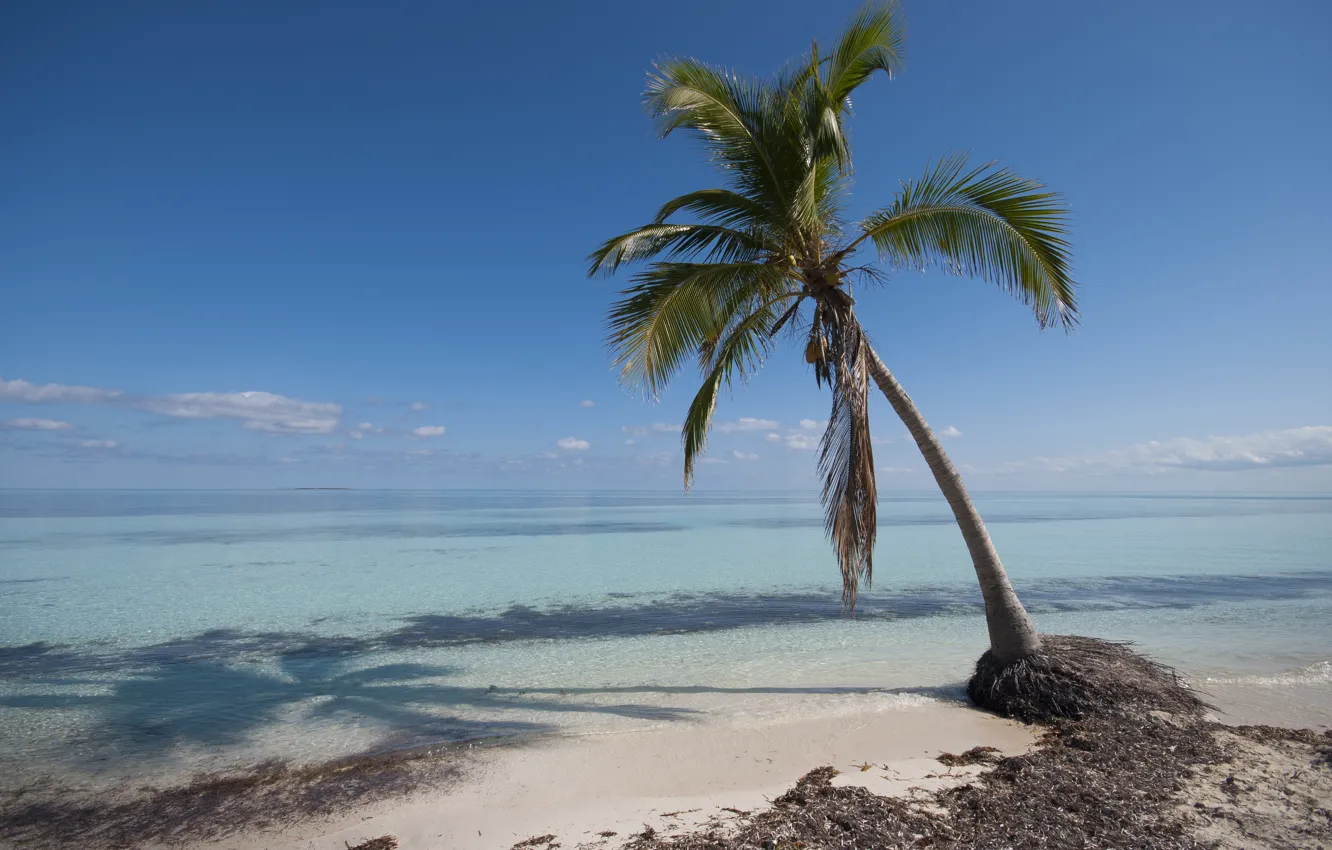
(874, 41)
(740, 121)
(672, 309)
(678, 242)
(983, 222)
(725, 208)
(741, 351)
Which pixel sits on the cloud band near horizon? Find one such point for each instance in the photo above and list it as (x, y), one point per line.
(256, 411)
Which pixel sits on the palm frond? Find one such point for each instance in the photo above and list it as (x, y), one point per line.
(722, 207)
(829, 182)
(874, 41)
(674, 308)
(785, 317)
(739, 353)
(819, 193)
(846, 456)
(678, 242)
(739, 304)
(827, 135)
(983, 222)
(741, 121)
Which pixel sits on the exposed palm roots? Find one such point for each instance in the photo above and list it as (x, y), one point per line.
(1076, 677)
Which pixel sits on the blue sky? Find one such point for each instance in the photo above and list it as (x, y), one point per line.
(374, 218)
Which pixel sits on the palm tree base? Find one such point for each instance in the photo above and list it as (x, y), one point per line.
(1077, 677)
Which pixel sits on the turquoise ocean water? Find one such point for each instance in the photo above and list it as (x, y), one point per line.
(156, 634)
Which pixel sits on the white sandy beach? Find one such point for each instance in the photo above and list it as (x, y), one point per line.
(576, 786)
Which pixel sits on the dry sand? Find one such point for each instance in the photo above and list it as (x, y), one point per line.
(1272, 794)
(576, 787)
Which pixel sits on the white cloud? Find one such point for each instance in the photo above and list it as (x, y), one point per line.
(1310, 445)
(773, 438)
(99, 444)
(257, 411)
(895, 470)
(665, 427)
(587, 402)
(739, 455)
(364, 428)
(950, 431)
(429, 431)
(573, 444)
(288, 460)
(813, 424)
(744, 423)
(418, 405)
(547, 455)
(22, 391)
(629, 443)
(803, 442)
(38, 424)
(421, 452)
(880, 441)
(711, 460)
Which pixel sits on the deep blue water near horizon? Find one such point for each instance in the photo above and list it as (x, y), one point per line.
(157, 633)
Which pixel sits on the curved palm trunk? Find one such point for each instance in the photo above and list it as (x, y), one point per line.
(1012, 634)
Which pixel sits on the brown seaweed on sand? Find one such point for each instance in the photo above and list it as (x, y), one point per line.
(537, 841)
(267, 797)
(1125, 772)
(975, 755)
(1104, 783)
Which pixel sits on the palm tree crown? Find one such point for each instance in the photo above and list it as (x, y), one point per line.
(772, 251)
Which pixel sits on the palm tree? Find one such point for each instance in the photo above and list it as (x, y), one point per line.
(772, 251)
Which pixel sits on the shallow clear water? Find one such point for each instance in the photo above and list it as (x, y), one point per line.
(158, 633)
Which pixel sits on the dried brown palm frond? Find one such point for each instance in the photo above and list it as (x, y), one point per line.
(846, 456)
